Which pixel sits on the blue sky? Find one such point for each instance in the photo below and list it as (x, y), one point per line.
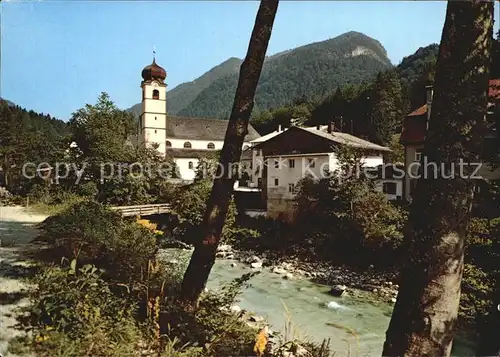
(59, 55)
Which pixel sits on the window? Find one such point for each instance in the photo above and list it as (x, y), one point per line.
(418, 155)
(190, 165)
(291, 187)
(211, 146)
(276, 182)
(389, 188)
(187, 145)
(155, 131)
(156, 94)
(276, 164)
(155, 118)
(168, 144)
(311, 162)
(291, 163)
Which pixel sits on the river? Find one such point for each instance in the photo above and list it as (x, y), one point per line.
(355, 324)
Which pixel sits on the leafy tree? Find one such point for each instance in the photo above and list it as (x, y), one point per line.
(101, 132)
(123, 174)
(203, 256)
(426, 310)
(350, 217)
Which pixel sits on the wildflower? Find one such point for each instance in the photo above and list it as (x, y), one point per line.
(261, 341)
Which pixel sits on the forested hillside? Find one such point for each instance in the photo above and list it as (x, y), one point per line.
(305, 72)
(27, 136)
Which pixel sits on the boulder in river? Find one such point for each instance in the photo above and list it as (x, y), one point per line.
(338, 290)
(224, 248)
(256, 265)
(279, 270)
(255, 318)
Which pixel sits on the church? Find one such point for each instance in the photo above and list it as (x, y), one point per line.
(184, 139)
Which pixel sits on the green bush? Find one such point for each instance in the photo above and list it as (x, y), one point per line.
(96, 235)
(74, 313)
(189, 203)
(210, 325)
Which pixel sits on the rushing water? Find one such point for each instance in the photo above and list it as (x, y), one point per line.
(355, 323)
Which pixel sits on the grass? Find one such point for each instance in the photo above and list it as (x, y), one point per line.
(52, 209)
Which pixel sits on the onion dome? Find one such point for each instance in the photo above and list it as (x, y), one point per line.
(154, 72)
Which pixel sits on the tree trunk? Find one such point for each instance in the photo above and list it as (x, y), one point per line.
(203, 258)
(424, 316)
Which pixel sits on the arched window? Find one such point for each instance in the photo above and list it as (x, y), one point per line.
(168, 144)
(245, 147)
(187, 145)
(211, 146)
(190, 165)
(156, 94)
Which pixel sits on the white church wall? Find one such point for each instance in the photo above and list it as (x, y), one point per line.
(184, 167)
(197, 144)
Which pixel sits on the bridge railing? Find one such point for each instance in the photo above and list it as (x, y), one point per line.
(142, 210)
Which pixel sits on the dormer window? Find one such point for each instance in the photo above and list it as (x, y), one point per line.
(156, 94)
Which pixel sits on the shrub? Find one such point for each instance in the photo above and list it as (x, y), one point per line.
(349, 219)
(190, 203)
(210, 325)
(74, 313)
(96, 235)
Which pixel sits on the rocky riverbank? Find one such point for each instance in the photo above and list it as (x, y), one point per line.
(344, 281)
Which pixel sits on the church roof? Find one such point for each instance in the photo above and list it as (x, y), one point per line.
(202, 129)
(154, 72)
(190, 153)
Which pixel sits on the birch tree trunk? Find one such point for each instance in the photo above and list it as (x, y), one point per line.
(426, 310)
(203, 257)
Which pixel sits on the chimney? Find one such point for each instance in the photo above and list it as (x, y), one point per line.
(279, 128)
(330, 127)
(429, 94)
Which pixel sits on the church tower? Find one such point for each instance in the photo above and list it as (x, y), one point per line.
(152, 122)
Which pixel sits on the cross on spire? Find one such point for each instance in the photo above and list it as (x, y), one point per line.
(154, 51)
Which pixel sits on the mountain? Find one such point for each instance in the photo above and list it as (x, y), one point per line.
(180, 96)
(413, 66)
(304, 72)
(308, 71)
(9, 103)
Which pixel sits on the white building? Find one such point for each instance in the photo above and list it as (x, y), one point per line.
(186, 140)
(298, 152)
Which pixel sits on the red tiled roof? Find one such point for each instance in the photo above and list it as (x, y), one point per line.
(420, 111)
(414, 125)
(494, 91)
(414, 130)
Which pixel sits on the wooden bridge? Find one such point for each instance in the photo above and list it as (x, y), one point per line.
(142, 210)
